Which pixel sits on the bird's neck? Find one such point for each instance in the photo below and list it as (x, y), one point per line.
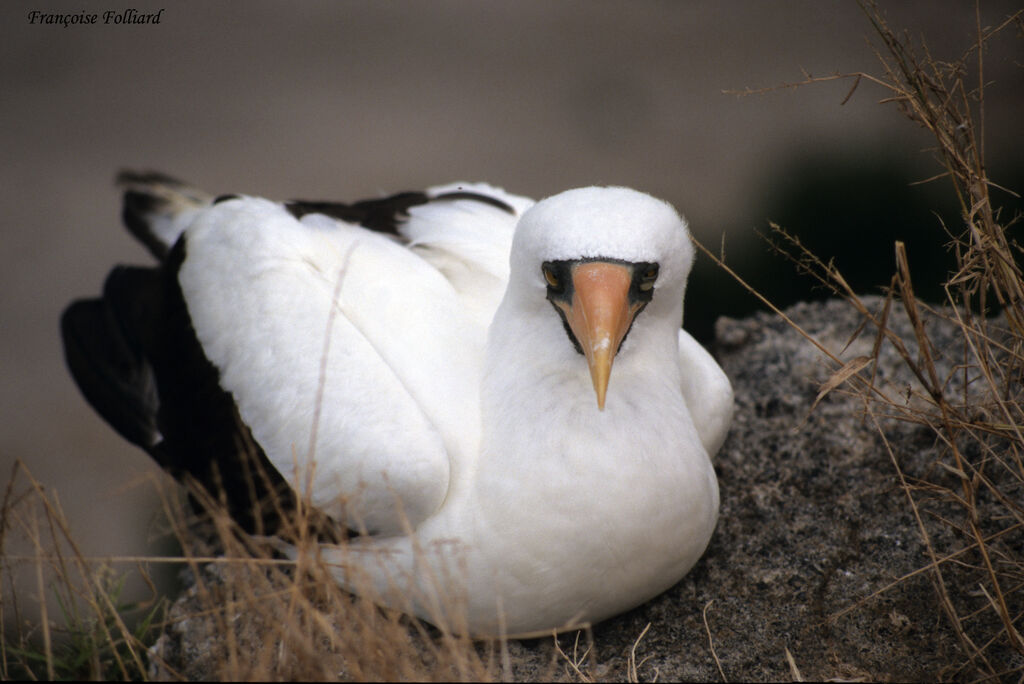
(538, 404)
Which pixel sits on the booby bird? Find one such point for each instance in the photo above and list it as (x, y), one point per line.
(495, 395)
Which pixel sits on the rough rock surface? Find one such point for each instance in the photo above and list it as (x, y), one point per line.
(814, 524)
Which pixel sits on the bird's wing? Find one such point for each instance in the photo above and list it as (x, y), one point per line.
(352, 358)
(465, 232)
(707, 392)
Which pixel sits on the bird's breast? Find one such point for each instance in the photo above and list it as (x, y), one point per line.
(613, 497)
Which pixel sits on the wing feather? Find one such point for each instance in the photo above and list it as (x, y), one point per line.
(468, 240)
(377, 367)
(707, 392)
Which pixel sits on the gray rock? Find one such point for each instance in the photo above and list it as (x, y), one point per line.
(810, 570)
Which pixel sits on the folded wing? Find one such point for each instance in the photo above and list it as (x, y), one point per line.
(340, 349)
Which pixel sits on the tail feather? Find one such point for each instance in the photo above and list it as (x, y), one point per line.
(158, 208)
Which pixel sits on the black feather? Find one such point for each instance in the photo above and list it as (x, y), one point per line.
(110, 370)
(382, 215)
(136, 359)
(385, 214)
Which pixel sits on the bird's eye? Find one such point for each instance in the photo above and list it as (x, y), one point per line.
(550, 276)
(648, 276)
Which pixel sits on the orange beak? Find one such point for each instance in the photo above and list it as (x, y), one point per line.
(600, 316)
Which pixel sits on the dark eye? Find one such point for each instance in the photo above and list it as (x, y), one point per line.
(648, 276)
(550, 277)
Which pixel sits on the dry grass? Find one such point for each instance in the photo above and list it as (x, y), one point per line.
(969, 505)
(259, 616)
(247, 613)
(62, 617)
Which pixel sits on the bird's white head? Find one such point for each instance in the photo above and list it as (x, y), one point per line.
(608, 222)
(599, 256)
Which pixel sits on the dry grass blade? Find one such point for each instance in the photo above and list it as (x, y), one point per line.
(793, 669)
(577, 660)
(851, 367)
(632, 665)
(711, 642)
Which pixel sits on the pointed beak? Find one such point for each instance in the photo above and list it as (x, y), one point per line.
(600, 316)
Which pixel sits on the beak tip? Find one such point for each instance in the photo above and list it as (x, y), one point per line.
(600, 372)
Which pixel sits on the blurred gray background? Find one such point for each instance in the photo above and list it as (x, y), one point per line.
(352, 99)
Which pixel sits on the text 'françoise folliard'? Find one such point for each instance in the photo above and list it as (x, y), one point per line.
(83, 18)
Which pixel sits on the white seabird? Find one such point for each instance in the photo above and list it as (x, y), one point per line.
(496, 393)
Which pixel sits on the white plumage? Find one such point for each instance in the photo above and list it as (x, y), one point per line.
(436, 391)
